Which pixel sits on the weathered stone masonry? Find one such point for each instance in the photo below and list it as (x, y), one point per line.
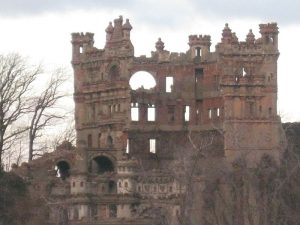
(122, 167)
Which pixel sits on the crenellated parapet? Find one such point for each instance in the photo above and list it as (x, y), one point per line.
(202, 40)
(80, 43)
(80, 38)
(199, 46)
(266, 44)
(269, 34)
(268, 28)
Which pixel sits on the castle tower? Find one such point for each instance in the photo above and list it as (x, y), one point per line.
(199, 46)
(249, 89)
(101, 102)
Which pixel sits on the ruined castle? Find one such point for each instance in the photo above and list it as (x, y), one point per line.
(137, 150)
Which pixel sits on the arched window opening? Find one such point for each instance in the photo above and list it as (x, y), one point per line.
(112, 187)
(244, 72)
(114, 73)
(142, 79)
(62, 170)
(109, 141)
(101, 165)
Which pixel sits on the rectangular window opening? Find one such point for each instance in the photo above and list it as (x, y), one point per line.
(99, 140)
(152, 143)
(151, 113)
(90, 141)
(198, 52)
(134, 112)
(171, 113)
(187, 113)
(199, 71)
(169, 84)
(210, 113)
(127, 146)
(218, 112)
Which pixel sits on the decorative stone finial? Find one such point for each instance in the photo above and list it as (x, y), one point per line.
(127, 25)
(226, 35)
(235, 39)
(159, 45)
(250, 37)
(226, 31)
(109, 28)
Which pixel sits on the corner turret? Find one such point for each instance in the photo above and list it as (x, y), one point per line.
(199, 45)
(269, 33)
(109, 30)
(81, 42)
(126, 30)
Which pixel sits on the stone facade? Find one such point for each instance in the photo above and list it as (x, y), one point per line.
(128, 168)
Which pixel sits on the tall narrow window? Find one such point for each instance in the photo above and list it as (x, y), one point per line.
(99, 140)
(127, 146)
(169, 84)
(251, 109)
(210, 113)
(114, 73)
(109, 141)
(134, 112)
(151, 113)
(90, 141)
(171, 113)
(187, 113)
(198, 52)
(91, 112)
(199, 83)
(218, 112)
(244, 72)
(270, 111)
(152, 145)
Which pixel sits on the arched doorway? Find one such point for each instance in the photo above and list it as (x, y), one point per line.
(62, 170)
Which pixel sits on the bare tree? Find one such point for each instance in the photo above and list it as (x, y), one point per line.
(16, 78)
(67, 134)
(43, 112)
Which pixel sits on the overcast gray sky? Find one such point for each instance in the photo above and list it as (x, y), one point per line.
(40, 29)
(282, 11)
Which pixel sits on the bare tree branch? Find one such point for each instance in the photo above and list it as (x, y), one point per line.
(42, 107)
(16, 78)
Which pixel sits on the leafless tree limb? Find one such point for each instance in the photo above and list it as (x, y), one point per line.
(16, 78)
(42, 114)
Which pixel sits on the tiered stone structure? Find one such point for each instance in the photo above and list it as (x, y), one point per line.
(127, 167)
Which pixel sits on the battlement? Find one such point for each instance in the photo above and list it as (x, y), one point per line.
(268, 28)
(199, 40)
(268, 41)
(82, 38)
